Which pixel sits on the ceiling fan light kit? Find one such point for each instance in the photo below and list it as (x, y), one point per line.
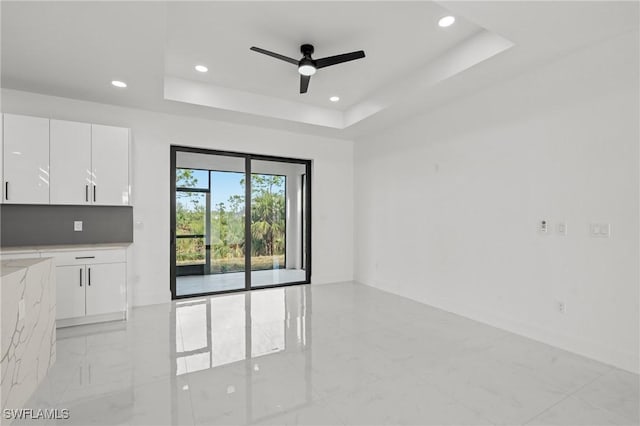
(307, 66)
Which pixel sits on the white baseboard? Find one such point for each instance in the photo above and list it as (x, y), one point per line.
(90, 319)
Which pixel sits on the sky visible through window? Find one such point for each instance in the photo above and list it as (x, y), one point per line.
(223, 185)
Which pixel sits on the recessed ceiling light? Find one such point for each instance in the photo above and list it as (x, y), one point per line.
(201, 68)
(334, 98)
(120, 84)
(447, 21)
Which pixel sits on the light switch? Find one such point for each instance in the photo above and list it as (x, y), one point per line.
(543, 226)
(562, 229)
(77, 225)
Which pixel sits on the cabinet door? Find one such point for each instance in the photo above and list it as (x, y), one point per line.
(110, 164)
(70, 168)
(26, 159)
(70, 291)
(106, 286)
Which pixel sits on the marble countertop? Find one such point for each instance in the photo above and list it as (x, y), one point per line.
(8, 267)
(73, 247)
(28, 327)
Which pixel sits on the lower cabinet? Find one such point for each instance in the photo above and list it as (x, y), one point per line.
(91, 285)
(90, 289)
(105, 290)
(70, 291)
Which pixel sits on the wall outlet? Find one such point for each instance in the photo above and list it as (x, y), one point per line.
(600, 230)
(562, 229)
(77, 226)
(562, 308)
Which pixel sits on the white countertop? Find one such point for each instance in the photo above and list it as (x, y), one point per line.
(8, 267)
(66, 247)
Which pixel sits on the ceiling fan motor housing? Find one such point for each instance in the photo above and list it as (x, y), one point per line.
(307, 66)
(306, 50)
(307, 61)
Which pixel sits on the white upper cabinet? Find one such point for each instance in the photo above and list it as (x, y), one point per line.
(110, 165)
(46, 161)
(26, 160)
(70, 145)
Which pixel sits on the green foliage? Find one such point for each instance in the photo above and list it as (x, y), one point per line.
(185, 178)
(227, 224)
(267, 215)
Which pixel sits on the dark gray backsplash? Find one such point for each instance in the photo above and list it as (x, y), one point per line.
(36, 225)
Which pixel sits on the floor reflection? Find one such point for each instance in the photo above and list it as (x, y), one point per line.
(204, 360)
(215, 331)
(250, 339)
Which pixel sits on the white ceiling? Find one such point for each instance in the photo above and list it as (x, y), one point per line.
(396, 37)
(75, 49)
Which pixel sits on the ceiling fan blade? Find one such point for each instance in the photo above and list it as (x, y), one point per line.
(304, 83)
(275, 55)
(338, 59)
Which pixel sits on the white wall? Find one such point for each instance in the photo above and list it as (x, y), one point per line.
(332, 182)
(447, 204)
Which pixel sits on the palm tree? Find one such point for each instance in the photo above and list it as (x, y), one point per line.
(267, 215)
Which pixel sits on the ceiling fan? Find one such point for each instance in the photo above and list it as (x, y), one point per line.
(307, 66)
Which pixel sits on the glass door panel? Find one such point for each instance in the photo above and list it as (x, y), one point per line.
(227, 229)
(276, 223)
(209, 223)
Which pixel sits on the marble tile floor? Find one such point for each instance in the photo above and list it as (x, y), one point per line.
(197, 284)
(337, 354)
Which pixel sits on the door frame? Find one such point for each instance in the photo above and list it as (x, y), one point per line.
(174, 149)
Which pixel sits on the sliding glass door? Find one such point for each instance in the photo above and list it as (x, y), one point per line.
(238, 221)
(276, 222)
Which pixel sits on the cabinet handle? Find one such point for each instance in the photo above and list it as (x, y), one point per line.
(94, 193)
(6, 190)
(86, 193)
(80, 277)
(89, 279)
(85, 257)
